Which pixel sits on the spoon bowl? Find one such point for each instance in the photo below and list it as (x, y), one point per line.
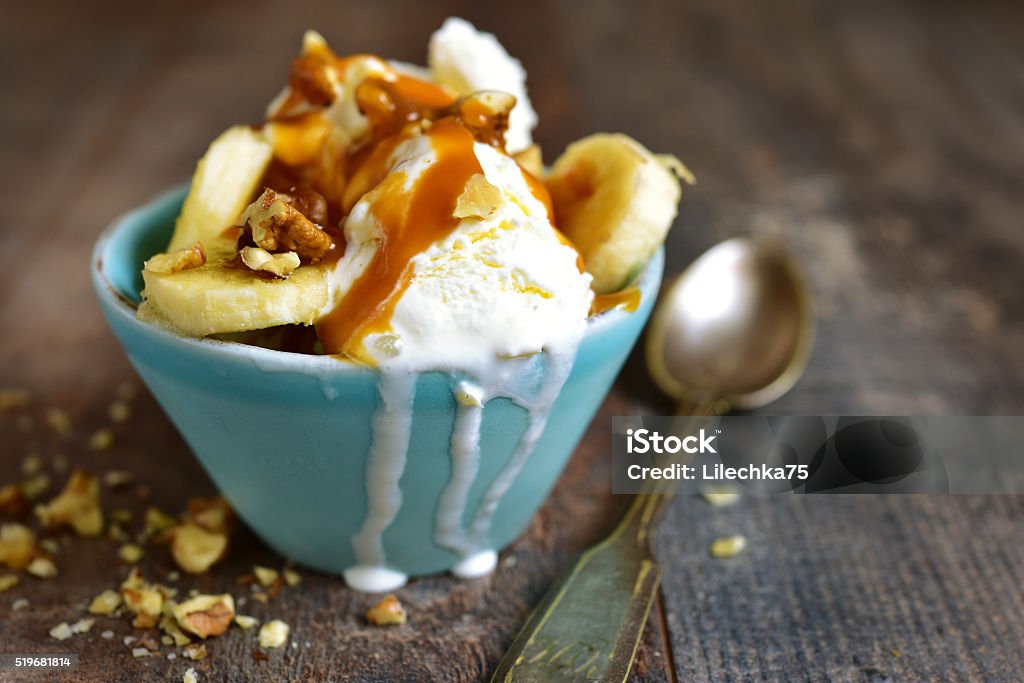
(736, 326)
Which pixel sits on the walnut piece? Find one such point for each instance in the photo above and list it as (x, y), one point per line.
(36, 486)
(213, 514)
(61, 631)
(59, 421)
(244, 622)
(13, 501)
(8, 581)
(115, 478)
(265, 575)
(278, 266)
(720, 497)
(17, 546)
(206, 615)
(101, 440)
(42, 568)
(195, 549)
(273, 634)
(119, 411)
(130, 553)
(175, 261)
(77, 506)
(143, 599)
(278, 226)
(195, 651)
(727, 547)
(479, 199)
(156, 522)
(291, 577)
(387, 612)
(314, 78)
(106, 603)
(169, 625)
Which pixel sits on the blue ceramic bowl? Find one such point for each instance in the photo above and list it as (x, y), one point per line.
(286, 436)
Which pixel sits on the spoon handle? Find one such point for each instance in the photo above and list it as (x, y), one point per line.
(589, 624)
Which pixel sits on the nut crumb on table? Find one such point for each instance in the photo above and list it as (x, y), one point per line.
(387, 612)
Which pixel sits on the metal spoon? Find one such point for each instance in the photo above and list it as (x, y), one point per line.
(733, 331)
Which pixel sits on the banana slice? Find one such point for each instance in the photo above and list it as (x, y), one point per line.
(224, 183)
(615, 201)
(228, 297)
(223, 295)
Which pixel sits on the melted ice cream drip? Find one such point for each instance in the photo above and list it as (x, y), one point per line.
(559, 365)
(392, 424)
(465, 457)
(472, 544)
(532, 383)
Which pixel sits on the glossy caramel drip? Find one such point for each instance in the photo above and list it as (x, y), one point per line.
(397, 107)
(627, 299)
(411, 220)
(299, 139)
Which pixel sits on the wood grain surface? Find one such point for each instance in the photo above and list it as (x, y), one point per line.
(882, 141)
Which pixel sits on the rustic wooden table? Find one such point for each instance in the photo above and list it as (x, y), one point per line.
(882, 141)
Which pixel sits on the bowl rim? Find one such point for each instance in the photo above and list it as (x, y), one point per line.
(118, 304)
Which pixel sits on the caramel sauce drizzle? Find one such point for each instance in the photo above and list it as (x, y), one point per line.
(397, 107)
(627, 299)
(411, 220)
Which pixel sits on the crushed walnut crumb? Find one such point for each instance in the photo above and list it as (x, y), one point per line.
(170, 627)
(117, 478)
(106, 603)
(102, 440)
(262, 262)
(195, 651)
(130, 553)
(291, 577)
(77, 506)
(17, 545)
(13, 501)
(720, 497)
(142, 599)
(244, 621)
(727, 547)
(195, 549)
(82, 626)
(36, 487)
(273, 634)
(31, 464)
(176, 261)
(61, 631)
(59, 421)
(42, 568)
(119, 412)
(265, 575)
(387, 612)
(206, 615)
(479, 199)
